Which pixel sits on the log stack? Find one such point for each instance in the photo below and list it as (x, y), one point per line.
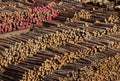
(90, 68)
(54, 58)
(21, 17)
(77, 44)
(18, 47)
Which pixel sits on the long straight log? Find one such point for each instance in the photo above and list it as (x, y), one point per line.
(72, 49)
(5, 77)
(13, 39)
(112, 38)
(55, 51)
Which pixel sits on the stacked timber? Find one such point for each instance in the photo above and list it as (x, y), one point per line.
(17, 48)
(20, 17)
(54, 58)
(102, 67)
(60, 49)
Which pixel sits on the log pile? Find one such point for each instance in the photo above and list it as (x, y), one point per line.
(79, 37)
(92, 17)
(113, 18)
(90, 68)
(16, 17)
(17, 48)
(53, 58)
(82, 14)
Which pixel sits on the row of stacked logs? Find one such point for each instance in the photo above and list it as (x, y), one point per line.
(17, 48)
(21, 17)
(25, 1)
(91, 13)
(32, 45)
(86, 15)
(104, 66)
(53, 58)
(69, 54)
(16, 18)
(82, 14)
